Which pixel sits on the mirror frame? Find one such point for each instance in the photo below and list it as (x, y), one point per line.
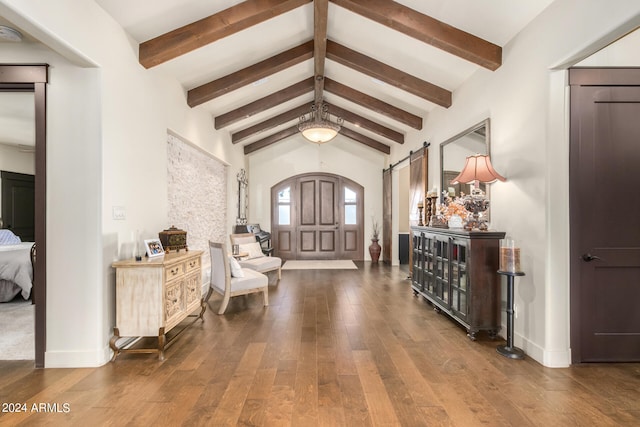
(243, 183)
(485, 123)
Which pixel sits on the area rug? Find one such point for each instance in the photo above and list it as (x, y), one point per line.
(17, 340)
(319, 265)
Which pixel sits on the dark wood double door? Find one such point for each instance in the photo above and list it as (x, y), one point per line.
(318, 217)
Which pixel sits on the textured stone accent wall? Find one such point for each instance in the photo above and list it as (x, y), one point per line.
(197, 192)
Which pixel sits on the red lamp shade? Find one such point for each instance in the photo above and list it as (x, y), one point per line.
(478, 168)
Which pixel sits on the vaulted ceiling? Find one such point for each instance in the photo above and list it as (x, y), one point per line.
(256, 66)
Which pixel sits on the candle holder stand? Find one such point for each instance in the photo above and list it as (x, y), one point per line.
(509, 350)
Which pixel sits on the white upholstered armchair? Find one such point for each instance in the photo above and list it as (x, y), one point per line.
(246, 281)
(255, 259)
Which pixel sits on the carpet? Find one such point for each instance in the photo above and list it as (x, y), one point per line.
(17, 339)
(319, 265)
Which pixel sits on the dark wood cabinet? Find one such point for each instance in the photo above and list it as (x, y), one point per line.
(456, 271)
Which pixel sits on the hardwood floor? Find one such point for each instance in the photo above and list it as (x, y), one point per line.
(336, 348)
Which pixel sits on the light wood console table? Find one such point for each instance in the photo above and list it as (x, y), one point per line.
(154, 295)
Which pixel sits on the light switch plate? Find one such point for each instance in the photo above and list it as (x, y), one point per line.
(118, 213)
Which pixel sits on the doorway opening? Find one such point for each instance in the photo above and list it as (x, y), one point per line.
(34, 78)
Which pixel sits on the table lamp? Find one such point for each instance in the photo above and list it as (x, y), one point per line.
(477, 169)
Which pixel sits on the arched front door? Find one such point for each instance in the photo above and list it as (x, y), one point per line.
(318, 216)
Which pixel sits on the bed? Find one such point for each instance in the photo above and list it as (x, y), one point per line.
(16, 271)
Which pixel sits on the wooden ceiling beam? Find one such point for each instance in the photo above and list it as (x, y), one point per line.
(269, 140)
(373, 104)
(392, 76)
(250, 74)
(369, 142)
(428, 30)
(320, 12)
(262, 104)
(208, 30)
(270, 123)
(365, 123)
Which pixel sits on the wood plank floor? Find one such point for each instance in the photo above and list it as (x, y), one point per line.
(334, 348)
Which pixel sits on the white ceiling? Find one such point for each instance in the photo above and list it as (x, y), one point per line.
(496, 21)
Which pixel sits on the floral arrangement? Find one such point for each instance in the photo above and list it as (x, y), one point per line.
(452, 207)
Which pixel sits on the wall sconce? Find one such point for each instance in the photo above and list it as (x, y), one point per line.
(477, 169)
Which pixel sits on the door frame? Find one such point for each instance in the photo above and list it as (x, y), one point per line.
(293, 182)
(34, 78)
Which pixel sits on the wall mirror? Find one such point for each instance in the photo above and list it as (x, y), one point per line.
(454, 152)
(243, 183)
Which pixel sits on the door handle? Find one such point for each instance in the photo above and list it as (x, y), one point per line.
(588, 257)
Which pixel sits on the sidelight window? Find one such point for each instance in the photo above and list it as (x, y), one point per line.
(284, 206)
(350, 207)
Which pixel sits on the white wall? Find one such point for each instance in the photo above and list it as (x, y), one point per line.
(73, 202)
(621, 53)
(107, 127)
(526, 101)
(295, 156)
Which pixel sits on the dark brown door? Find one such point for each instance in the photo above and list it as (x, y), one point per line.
(18, 204)
(605, 208)
(318, 216)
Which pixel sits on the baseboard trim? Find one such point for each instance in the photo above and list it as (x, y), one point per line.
(547, 358)
(77, 359)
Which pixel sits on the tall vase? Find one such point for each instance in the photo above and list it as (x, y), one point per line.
(374, 250)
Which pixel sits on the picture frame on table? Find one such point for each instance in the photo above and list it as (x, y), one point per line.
(154, 248)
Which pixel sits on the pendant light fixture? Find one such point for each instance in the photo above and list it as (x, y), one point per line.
(317, 125)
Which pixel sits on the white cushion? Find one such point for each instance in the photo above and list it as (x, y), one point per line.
(251, 280)
(236, 270)
(253, 249)
(262, 264)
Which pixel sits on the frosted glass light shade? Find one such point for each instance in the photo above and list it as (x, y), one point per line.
(319, 133)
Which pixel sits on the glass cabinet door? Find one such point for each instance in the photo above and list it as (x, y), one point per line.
(459, 279)
(441, 270)
(429, 276)
(417, 275)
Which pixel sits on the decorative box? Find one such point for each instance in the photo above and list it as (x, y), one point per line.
(173, 239)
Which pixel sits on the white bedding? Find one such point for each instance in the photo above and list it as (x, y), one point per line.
(15, 269)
